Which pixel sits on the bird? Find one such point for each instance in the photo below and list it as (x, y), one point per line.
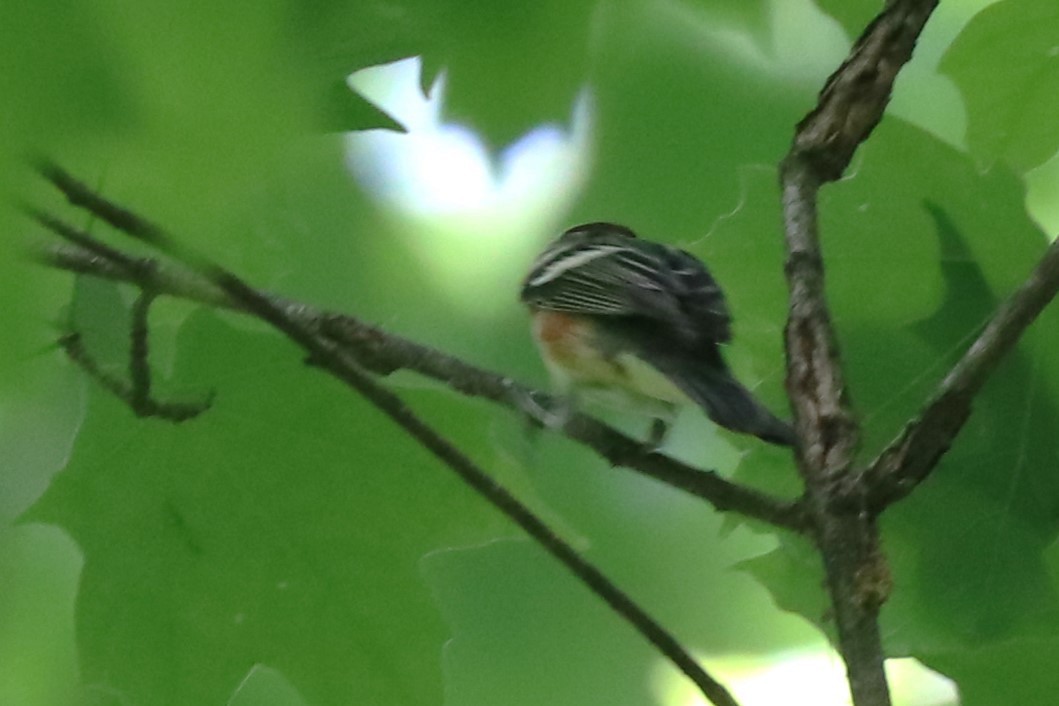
(639, 324)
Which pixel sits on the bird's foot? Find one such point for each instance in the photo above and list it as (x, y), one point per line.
(656, 437)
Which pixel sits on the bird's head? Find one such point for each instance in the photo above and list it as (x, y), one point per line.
(598, 230)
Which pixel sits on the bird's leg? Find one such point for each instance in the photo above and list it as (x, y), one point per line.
(559, 412)
(661, 424)
(552, 411)
(657, 436)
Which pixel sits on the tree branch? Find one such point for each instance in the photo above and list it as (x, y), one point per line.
(910, 458)
(823, 416)
(854, 98)
(384, 352)
(135, 393)
(849, 107)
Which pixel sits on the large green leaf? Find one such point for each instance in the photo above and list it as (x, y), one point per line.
(1007, 68)
(853, 15)
(1007, 672)
(509, 66)
(38, 580)
(283, 527)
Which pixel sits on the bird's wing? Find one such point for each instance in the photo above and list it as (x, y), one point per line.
(613, 277)
(701, 299)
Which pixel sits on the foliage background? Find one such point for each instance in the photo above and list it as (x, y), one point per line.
(291, 548)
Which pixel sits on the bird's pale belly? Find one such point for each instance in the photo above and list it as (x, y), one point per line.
(576, 359)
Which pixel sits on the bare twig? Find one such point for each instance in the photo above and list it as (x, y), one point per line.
(83, 239)
(850, 105)
(326, 353)
(131, 393)
(139, 365)
(910, 457)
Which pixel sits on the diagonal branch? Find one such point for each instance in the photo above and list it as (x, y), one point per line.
(910, 458)
(327, 354)
(384, 352)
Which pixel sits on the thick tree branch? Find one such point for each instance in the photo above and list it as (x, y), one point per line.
(328, 354)
(828, 435)
(850, 105)
(823, 417)
(384, 352)
(910, 458)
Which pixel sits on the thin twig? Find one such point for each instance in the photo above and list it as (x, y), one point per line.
(83, 239)
(326, 354)
(139, 365)
(138, 399)
(910, 458)
(162, 278)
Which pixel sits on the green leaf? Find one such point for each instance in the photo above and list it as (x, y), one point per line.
(853, 15)
(1010, 672)
(327, 41)
(1006, 64)
(512, 588)
(509, 66)
(751, 16)
(62, 75)
(100, 316)
(283, 527)
(38, 580)
(347, 110)
(265, 687)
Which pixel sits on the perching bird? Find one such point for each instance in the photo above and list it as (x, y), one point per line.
(640, 323)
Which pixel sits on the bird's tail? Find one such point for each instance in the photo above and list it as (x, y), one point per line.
(732, 406)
